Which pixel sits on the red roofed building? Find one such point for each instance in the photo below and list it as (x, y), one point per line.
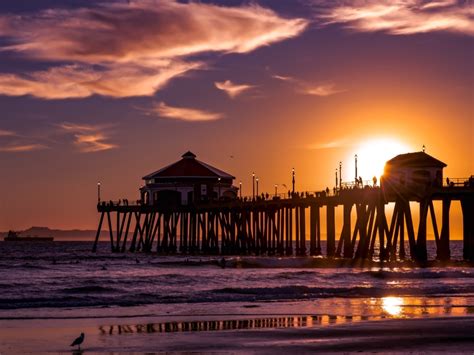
(185, 181)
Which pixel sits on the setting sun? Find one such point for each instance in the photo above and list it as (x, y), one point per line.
(372, 155)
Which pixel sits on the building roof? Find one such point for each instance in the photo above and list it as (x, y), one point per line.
(188, 167)
(417, 159)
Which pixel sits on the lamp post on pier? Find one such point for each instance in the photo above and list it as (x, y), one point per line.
(340, 175)
(253, 186)
(355, 178)
(240, 189)
(257, 185)
(337, 182)
(276, 190)
(98, 192)
(293, 181)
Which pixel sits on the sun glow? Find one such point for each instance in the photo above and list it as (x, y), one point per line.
(392, 305)
(372, 155)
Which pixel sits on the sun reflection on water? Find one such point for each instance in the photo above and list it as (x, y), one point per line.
(392, 305)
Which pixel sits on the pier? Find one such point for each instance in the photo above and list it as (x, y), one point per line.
(278, 226)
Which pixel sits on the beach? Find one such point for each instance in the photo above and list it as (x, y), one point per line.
(446, 334)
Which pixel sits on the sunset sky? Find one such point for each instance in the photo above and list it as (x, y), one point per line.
(110, 91)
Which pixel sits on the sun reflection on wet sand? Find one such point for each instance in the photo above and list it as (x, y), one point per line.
(393, 305)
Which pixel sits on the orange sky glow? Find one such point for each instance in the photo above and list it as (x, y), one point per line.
(258, 88)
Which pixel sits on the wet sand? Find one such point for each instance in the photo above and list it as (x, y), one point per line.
(258, 334)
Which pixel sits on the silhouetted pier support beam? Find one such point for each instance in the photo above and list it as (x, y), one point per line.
(94, 248)
(467, 205)
(330, 230)
(382, 227)
(443, 251)
(346, 232)
(301, 248)
(315, 231)
(289, 230)
(421, 252)
(345, 239)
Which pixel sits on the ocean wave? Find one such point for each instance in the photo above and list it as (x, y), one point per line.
(90, 289)
(424, 274)
(306, 292)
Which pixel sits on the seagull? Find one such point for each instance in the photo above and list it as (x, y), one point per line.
(78, 341)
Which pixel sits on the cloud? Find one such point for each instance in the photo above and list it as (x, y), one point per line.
(284, 78)
(403, 17)
(22, 148)
(88, 143)
(303, 87)
(182, 113)
(320, 90)
(120, 50)
(73, 127)
(79, 81)
(328, 145)
(231, 89)
(6, 133)
(88, 138)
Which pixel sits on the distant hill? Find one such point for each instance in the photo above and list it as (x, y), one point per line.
(58, 234)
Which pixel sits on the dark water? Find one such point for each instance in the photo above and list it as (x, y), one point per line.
(66, 275)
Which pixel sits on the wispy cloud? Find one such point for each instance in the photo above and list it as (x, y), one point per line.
(6, 133)
(130, 49)
(231, 89)
(315, 89)
(340, 143)
(88, 138)
(88, 143)
(79, 81)
(403, 17)
(320, 89)
(283, 77)
(20, 148)
(182, 113)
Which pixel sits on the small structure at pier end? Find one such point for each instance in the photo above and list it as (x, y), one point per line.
(411, 176)
(186, 181)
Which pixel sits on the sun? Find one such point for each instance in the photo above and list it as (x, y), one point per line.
(372, 155)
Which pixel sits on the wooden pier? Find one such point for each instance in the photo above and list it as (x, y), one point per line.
(277, 226)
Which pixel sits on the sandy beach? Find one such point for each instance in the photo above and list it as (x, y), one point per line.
(145, 335)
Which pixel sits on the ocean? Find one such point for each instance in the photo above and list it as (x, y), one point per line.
(65, 279)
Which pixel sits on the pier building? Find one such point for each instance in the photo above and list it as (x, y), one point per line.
(186, 181)
(411, 175)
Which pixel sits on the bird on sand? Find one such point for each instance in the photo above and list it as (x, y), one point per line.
(78, 341)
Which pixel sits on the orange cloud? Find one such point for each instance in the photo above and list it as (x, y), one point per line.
(320, 90)
(231, 89)
(132, 49)
(79, 81)
(89, 143)
(403, 17)
(306, 88)
(183, 113)
(22, 148)
(6, 133)
(328, 145)
(88, 138)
